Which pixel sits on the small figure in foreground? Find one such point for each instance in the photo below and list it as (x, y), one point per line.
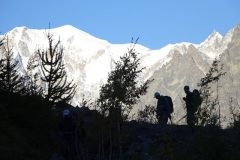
(163, 109)
(68, 127)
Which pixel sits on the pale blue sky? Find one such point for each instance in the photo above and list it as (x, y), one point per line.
(156, 22)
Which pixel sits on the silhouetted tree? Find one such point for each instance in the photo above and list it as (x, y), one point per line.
(122, 91)
(10, 78)
(53, 73)
(33, 83)
(1, 42)
(1, 62)
(147, 114)
(207, 113)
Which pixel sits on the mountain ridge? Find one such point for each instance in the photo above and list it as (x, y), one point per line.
(89, 59)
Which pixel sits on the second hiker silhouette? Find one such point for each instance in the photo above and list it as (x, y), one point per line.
(163, 109)
(190, 113)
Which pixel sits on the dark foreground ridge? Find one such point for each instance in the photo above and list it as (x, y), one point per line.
(143, 141)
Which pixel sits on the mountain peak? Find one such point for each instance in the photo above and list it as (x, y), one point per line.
(68, 31)
(214, 32)
(211, 44)
(68, 27)
(20, 29)
(215, 37)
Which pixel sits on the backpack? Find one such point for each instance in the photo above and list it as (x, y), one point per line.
(197, 100)
(170, 103)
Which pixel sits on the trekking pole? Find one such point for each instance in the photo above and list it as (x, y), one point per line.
(181, 119)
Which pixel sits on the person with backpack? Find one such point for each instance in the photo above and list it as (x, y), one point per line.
(197, 100)
(189, 105)
(68, 127)
(163, 109)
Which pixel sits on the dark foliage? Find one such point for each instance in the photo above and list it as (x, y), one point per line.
(118, 96)
(10, 78)
(147, 115)
(27, 125)
(33, 83)
(122, 90)
(207, 113)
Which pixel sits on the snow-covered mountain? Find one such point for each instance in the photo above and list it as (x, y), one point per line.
(89, 59)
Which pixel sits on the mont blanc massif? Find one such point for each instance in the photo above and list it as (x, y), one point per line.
(88, 60)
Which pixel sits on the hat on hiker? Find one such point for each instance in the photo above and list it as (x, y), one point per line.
(156, 94)
(66, 112)
(186, 88)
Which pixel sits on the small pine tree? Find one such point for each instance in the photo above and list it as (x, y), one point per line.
(10, 79)
(33, 83)
(54, 74)
(121, 92)
(206, 114)
(147, 114)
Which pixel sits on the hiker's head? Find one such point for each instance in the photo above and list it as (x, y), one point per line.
(195, 91)
(186, 89)
(66, 112)
(156, 95)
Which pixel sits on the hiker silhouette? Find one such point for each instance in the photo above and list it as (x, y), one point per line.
(163, 109)
(190, 113)
(68, 127)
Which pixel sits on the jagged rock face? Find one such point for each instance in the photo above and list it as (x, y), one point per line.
(211, 43)
(230, 82)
